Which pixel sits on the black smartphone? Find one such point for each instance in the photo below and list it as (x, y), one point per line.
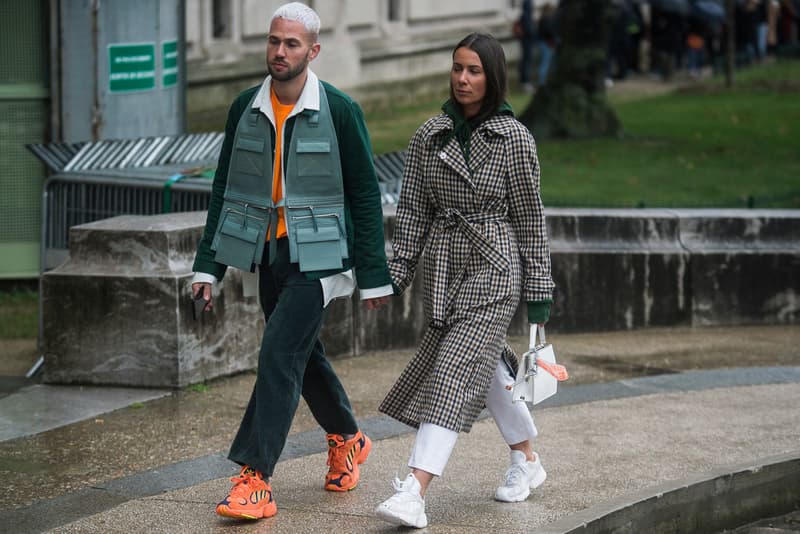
(198, 305)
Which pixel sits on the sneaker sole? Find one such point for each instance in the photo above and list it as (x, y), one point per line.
(401, 520)
(340, 489)
(537, 481)
(517, 498)
(241, 515)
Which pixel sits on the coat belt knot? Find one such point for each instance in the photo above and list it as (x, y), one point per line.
(468, 224)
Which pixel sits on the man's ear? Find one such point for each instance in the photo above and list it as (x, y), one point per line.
(314, 52)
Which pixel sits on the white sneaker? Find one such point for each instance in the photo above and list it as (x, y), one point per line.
(406, 507)
(520, 478)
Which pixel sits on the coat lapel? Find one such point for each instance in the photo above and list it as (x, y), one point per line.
(479, 151)
(452, 156)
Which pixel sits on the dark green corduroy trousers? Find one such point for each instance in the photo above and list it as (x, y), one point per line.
(291, 362)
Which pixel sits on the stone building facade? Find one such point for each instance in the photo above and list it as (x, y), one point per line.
(395, 45)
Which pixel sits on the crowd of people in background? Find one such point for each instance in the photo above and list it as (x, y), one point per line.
(537, 34)
(665, 37)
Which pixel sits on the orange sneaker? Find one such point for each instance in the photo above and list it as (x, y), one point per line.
(250, 497)
(343, 459)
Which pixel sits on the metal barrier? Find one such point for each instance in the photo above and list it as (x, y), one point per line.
(70, 199)
(130, 153)
(389, 168)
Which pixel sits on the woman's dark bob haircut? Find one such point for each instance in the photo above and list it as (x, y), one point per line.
(493, 60)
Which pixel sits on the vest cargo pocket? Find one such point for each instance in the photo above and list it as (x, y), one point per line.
(318, 245)
(237, 244)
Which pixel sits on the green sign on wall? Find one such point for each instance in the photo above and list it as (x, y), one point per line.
(132, 67)
(169, 53)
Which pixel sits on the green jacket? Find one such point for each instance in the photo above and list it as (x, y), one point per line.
(363, 212)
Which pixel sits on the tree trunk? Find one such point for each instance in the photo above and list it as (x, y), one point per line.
(573, 103)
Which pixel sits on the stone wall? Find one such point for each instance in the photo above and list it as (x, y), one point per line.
(624, 269)
(117, 311)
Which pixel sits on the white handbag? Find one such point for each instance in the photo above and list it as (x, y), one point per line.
(538, 374)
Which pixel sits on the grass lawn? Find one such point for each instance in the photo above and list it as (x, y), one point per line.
(18, 314)
(703, 146)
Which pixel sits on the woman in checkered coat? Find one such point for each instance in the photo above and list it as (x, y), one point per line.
(470, 209)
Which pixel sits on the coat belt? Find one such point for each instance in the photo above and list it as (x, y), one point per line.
(448, 219)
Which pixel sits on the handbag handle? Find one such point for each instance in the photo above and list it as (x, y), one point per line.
(534, 329)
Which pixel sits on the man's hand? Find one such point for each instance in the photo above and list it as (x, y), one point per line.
(202, 290)
(374, 304)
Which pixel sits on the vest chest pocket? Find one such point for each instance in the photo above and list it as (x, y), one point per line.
(320, 243)
(250, 156)
(314, 157)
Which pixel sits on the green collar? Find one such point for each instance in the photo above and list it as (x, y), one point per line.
(463, 128)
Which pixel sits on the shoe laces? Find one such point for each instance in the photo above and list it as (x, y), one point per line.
(513, 474)
(242, 483)
(337, 453)
(404, 492)
(403, 486)
(399, 485)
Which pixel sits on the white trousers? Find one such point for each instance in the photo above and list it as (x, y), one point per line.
(434, 444)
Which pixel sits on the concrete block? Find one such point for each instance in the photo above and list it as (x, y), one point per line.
(615, 270)
(619, 290)
(745, 288)
(745, 266)
(117, 312)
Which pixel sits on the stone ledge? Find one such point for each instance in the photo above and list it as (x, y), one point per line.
(117, 311)
(622, 269)
(721, 500)
(694, 230)
(704, 231)
(612, 230)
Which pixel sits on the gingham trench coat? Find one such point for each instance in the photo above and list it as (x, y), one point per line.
(480, 231)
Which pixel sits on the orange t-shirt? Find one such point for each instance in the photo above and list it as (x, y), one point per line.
(280, 111)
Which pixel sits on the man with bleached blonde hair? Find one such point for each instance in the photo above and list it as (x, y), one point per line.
(296, 199)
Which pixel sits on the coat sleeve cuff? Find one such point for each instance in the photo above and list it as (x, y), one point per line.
(539, 311)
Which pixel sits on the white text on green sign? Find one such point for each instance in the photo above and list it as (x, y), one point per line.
(169, 54)
(131, 67)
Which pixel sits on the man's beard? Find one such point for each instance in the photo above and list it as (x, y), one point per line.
(289, 74)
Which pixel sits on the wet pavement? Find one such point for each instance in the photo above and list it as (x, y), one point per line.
(641, 408)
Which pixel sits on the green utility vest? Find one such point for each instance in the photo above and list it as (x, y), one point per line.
(313, 194)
